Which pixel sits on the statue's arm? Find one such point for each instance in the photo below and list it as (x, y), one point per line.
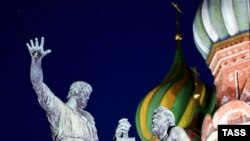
(36, 73)
(179, 134)
(36, 77)
(46, 98)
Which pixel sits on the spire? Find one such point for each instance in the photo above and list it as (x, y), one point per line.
(178, 36)
(196, 74)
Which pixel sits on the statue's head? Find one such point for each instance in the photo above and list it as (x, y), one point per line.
(162, 119)
(80, 91)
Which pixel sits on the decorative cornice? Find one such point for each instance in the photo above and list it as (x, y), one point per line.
(227, 44)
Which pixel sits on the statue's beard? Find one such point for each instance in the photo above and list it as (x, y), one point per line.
(81, 104)
(158, 129)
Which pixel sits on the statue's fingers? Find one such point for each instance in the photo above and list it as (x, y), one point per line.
(123, 120)
(121, 132)
(28, 45)
(118, 130)
(125, 124)
(123, 129)
(42, 42)
(31, 43)
(122, 125)
(118, 134)
(30, 48)
(36, 42)
(47, 52)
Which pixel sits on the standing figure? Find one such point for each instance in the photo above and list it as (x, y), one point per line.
(68, 121)
(164, 127)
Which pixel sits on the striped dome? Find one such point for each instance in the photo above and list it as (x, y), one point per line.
(217, 20)
(175, 92)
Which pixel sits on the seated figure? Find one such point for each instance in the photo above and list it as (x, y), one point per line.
(163, 126)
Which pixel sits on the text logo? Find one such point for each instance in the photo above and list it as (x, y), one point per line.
(226, 132)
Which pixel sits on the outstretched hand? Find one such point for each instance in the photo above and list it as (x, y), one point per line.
(36, 50)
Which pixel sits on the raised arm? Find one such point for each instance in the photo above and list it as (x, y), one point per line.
(49, 102)
(45, 97)
(37, 53)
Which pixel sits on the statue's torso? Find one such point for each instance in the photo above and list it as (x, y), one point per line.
(73, 126)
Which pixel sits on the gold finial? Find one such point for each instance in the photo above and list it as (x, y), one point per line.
(178, 36)
(196, 95)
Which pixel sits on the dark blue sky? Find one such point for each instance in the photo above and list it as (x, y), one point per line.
(122, 48)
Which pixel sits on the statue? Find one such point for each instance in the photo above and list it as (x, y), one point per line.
(163, 126)
(68, 121)
(121, 133)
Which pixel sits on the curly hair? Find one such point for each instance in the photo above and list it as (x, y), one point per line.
(79, 86)
(169, 115)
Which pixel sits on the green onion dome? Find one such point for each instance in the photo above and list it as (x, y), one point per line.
(180, 92)
(217, 20)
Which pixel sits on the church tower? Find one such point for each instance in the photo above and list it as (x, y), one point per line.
(182, 92)
(221, 33)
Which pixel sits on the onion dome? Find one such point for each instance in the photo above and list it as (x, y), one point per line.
(217, 20)
(181, 92)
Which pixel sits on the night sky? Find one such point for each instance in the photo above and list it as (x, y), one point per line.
(122, 48)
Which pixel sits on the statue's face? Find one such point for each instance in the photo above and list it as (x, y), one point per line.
(160, 124)
(82, 99)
